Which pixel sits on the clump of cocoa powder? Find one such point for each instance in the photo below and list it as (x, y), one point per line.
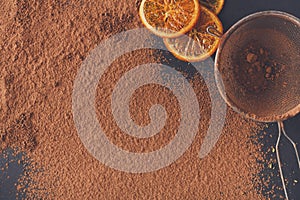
(20, 134)
(257, 68)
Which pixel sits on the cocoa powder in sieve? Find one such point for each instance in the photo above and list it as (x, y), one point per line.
(261, 69)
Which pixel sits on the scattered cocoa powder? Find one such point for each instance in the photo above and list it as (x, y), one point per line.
(20, 134)
(44, 48)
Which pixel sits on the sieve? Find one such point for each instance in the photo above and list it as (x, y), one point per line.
(257, 70)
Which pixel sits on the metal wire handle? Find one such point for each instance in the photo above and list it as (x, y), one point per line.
(213, 31)
(280, 130)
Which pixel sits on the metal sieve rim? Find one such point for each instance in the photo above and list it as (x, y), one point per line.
(291, 113)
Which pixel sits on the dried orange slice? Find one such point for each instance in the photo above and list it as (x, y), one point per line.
(169, 18)
(197, 44)
(213, 5)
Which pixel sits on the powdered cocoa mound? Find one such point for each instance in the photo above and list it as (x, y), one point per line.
(41, 54)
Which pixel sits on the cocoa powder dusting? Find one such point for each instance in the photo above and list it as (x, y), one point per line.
(41, 53)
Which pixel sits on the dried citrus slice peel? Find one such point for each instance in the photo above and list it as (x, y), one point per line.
(197, 44)
(213, 5)
(169, 18)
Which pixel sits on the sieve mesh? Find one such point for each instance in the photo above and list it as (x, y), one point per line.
(258, 66)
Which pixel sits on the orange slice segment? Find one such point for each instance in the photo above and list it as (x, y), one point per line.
(197, 44)
(213, 5)
(169, 18)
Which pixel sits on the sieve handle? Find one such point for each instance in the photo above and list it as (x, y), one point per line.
(213, 31)
(280, 131)
(291, 141)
